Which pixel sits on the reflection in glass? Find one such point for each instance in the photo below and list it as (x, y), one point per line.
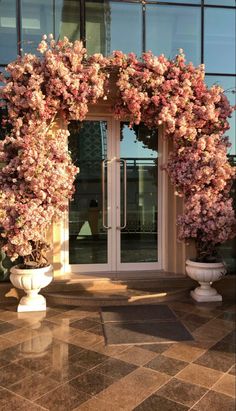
(97, 27)
(228, 83)
(67, 19)
(8, 37)
(171, 28)
(219, 36)
(220, 2)
(37, 19)
(87, 237)
(139, 238)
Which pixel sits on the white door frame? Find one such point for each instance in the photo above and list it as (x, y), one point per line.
(114, 265)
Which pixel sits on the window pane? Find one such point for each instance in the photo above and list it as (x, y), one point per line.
(67, 19)
(228, 84)
(97, 27)
(220, 40)
(8, 38)
(221, 2)
(171, 28)
(179, 1)
(37, 19)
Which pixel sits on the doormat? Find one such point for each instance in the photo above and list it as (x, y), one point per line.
(142, 324)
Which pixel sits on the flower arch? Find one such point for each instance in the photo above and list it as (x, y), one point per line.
(37, 176)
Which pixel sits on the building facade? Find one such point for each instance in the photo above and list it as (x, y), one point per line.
(123, 217)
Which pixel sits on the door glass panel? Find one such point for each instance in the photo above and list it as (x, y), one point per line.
(87, 237)
(138, 147)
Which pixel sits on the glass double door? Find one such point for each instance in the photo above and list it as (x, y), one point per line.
(113, 218)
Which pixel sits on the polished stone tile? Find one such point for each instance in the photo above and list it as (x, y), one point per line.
(63, 398)
(222, 324)
(184, 352)
(12, 402)
(156, 403)
(182, 392)
(203, 376)
(166, 365)
(217, 360)
(135, 313)
(206, 333)
(12, 373)
(84, 339)
(109, 350)
(136, 356)
(215, 401)
(84, 324)
(88, 359)
(226, 385)
(97, 330)
(91, 382)
(21, 334)
(63, 372)
(95, 404)
(34, 386)
(6, 343)
(157, 348)
(6, 327)
(134, 388)
(36, 364)
(194, 321)
(232, 370)
(115, 368)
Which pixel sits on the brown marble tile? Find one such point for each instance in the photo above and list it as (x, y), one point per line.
(217, 360)
(94, 404)
(181, 392)
(97, 330)
(232, 370)
(206, 333)
(136, 356)
(184, 352)
(215, 401)
(34, 386)
(115, 368)
(84, 324)
(228, 316)
(88, 359)
(21, 334)
(166, 365)
(63, 398)
(157, 348)
(226, 385)
(36, 364)
(6, 327)
(84, 339)
(8, 315)
(91, 382)
(131, 390)
(222, 324)
(6, 343)
(156, 403)
(12, 373)
(12, 353)
(109, 350)
(203, 376)
(195, 320)
(12, 402)
(64, 372)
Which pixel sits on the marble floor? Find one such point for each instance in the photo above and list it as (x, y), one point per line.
(58, 361)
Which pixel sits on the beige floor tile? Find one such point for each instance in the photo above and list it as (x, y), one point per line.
(6, 343)
(21, 335)
(222, 324)
(226, 385)
(8, 315)
(209, 333)
(136, 355)
(203, 376)
(95, 404)
(131, 390)
(184, 352)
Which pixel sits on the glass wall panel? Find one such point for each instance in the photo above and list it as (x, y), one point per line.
(138, 148)
(67, 19)
(170, 28)
(219, 40)
(229, 85)
(87, 237)
(37, 19)
(97, 27)
(125, 28)
(8, 36)
(221, 2)
(177, 1)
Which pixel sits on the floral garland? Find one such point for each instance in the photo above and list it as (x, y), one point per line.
(37, 177)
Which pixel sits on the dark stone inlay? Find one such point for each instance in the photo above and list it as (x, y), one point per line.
(215, 401)
(34, 386)
(7, 328)
(136, 313)
(145, 332)
(217, 360)
(12, 373)
(92, 382)
(12, 402)
(115, 368)
(65, 397)
(88, 359)
(166, 365)
(84, 324)
(183, 392)
(156, 403)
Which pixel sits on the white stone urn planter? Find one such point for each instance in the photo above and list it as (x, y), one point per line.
(31, 280)
(205, 274)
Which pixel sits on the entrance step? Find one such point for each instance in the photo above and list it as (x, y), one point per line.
(98, 298)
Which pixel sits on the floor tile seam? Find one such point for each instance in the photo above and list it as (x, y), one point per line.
(221, 392)
(199, 385)
(21, 397)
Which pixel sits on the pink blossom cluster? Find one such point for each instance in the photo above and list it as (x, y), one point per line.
(37, 176)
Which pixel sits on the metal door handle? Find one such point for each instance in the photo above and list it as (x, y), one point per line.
(104, 162)
(125, 193)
